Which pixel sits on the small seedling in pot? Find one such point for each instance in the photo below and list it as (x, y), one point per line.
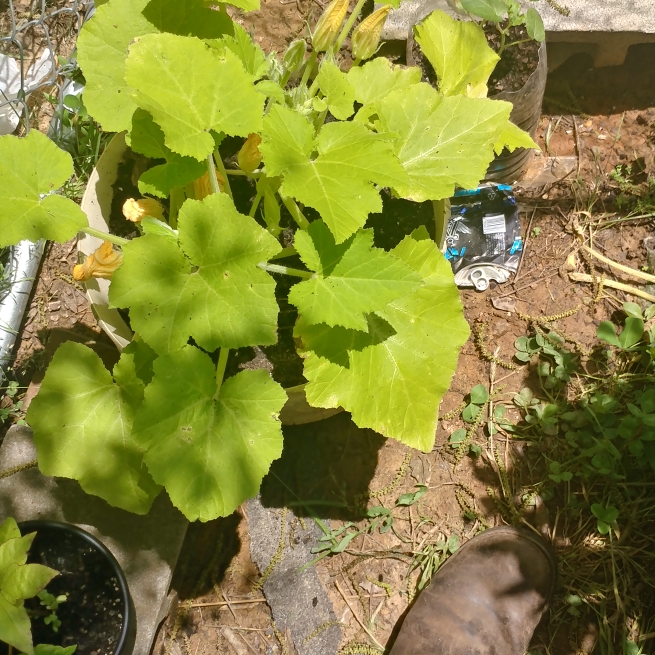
(51, 603)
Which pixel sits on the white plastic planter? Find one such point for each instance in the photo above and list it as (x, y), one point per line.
(23, 266)
(96, 204)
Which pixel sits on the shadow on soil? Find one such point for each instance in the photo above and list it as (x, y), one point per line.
(577, 87)
(206, 554)
(325, 469)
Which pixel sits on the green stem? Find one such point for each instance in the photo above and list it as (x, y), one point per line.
(105, 236)
(509, 45)
(320, 119)
(349, 23)
(255, 204)
(357, 62)
(176, 201)
(295, 212)
(285, 252)
(221, 170)
(211, 171)
(234, 171)
(502, 41)
(309, 66)
(285, 270)
(441, 210)
(220, 369)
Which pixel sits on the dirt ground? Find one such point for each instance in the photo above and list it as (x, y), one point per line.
(603, 118)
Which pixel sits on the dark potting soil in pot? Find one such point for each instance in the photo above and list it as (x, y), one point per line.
(516, 63)
(93, 615)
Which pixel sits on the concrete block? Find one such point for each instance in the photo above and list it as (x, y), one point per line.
(297, 598)
(146, 547)
(605, 29)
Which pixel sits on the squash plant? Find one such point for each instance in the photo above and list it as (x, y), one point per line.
(379, 331)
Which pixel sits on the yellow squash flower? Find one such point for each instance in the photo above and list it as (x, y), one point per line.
(329, 24)
(202, 188)
(366, 36)
(102, 263)
(137, 210)
(249, 156)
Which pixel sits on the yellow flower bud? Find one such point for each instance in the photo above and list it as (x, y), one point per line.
(102, 263)
(329, 24)
(202, 188)
(366, 36)
(137, 210)
(249, 156)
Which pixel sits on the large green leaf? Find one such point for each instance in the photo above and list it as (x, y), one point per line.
(459, 54)
(101, 53)
(18, 582)
(210, 450)
(379, 77)
(14, 551)
(188, 18)
(82, 421)
(339, 94)
(9, 530)
(338, 182)
(393, 378)
(441, 141)
(493, 10)
(147, 138)
(191, 88)
(251, 55)
(178, 171)
(226, 301)
(351, 280)
(15, 628)
(513, 137)
(29, 167)
(48, 649)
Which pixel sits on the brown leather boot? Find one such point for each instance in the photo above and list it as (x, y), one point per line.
(487, 599)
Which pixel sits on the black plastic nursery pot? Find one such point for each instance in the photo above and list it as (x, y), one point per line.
(98, 615)
(508, 167)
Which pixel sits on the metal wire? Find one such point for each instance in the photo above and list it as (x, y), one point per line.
(34, 24)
